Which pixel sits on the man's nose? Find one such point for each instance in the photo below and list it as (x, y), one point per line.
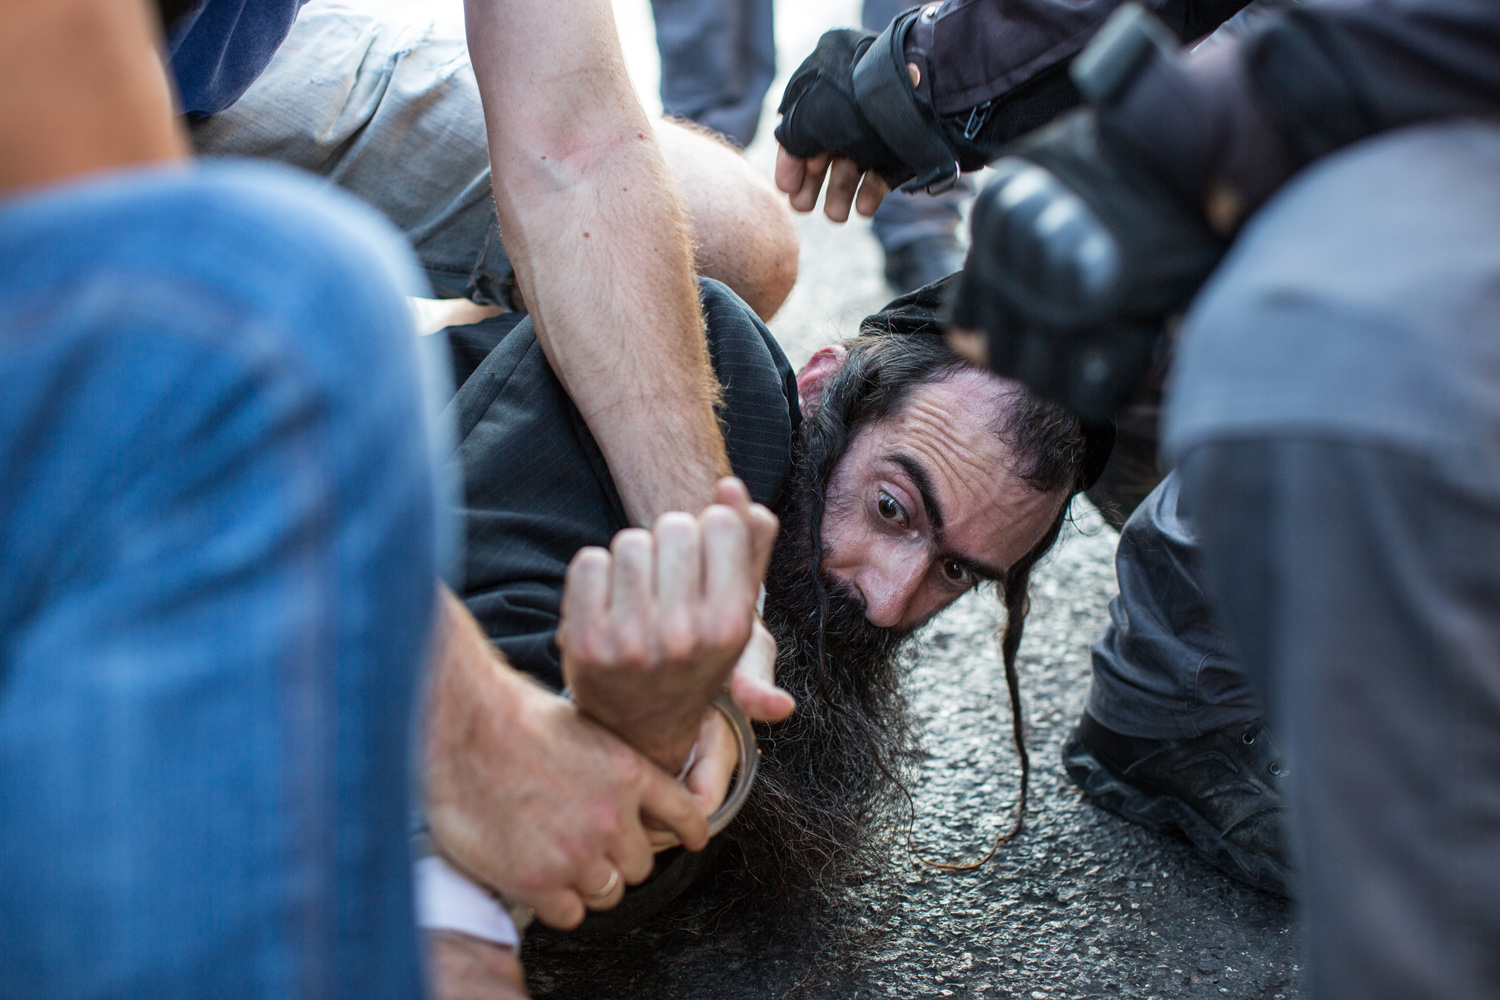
(888, 589)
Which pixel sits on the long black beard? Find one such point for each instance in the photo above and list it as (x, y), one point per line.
(832, 772)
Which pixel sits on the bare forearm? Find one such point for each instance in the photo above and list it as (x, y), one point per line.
(593, 225)
(616, 311)
(469, 704)
(82, 89)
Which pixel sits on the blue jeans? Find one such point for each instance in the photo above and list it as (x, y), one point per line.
(217, 554)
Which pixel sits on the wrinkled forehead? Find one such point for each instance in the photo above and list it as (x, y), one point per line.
(948, 439)
(955, 427)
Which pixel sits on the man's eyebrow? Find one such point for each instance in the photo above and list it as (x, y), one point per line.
(979, 569)
(922, 479)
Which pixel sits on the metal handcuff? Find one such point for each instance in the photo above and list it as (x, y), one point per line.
(744, 773)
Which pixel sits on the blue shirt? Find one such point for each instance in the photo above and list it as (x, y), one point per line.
(217, 51)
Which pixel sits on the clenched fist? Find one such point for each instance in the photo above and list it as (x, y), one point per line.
(652, 627)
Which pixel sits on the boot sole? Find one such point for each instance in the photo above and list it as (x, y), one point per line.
(1165, 814)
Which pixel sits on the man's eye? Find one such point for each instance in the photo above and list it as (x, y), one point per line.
(890, 508)
(955, 572)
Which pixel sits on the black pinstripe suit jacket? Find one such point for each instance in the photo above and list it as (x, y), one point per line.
(536, 488)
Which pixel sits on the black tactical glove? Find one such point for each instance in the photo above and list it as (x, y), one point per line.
(1083, 246)
(852, 98)
(820, 114)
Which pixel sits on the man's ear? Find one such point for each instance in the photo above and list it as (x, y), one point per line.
(813, 379)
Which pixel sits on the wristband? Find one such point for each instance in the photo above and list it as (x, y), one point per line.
(744, 774)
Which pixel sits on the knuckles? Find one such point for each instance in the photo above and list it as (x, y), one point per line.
(724, 524)
(764, 525)
(607, 824)
(676, 526)
(633, 544)
(543, 879)
(586, 643)
(594, 654)
(565, 912)
(630, 649)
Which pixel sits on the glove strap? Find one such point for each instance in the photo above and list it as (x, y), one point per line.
(888, 101)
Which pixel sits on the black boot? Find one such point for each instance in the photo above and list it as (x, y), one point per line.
(1221, 790)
